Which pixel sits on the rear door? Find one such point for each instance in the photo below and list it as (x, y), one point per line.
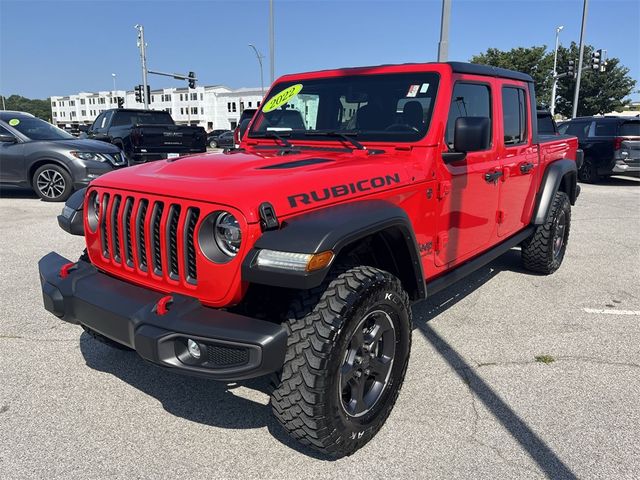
(518, 159)
(467, 200)
(600, 140)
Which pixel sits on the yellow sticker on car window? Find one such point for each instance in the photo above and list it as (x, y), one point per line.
(281, 98)
(14, 122)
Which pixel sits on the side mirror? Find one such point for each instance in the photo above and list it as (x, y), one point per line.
(7, 138)
(470, 134)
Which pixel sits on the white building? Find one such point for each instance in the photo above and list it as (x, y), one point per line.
(211, 107)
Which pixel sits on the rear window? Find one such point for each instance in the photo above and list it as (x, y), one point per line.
(142, 118)
(630, 129)
(546, 125)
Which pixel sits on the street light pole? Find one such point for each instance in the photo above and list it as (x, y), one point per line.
(259, 57)
(271, 41)
(443, 45)
(576, 94)
(143, 60)
(555, 71)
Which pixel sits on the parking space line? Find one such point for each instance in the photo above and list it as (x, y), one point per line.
(611, 312)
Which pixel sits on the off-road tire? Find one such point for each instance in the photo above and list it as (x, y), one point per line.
(588, 173)
(538, 253)
(307, 398)
(105, 340)
(58, 189)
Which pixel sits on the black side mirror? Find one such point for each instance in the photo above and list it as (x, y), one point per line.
(7, 138)
(470, 134)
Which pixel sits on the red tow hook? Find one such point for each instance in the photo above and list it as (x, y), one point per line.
(162, 307)
(66, 268)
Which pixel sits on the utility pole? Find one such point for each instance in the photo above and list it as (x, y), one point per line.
(259, 57)
(271, 41)
(576, 94)
(3, 105)
(555, 71)
(143, 60)
(443, 45)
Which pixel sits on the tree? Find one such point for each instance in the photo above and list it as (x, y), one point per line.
(39, 108)
(600, 92)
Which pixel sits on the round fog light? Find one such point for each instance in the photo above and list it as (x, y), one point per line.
(194, 348)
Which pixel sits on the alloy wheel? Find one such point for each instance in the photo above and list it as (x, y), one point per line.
(51, 183)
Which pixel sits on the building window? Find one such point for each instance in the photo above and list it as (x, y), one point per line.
(194, 96)
(53, 104)
(249, 104)
(229, 107)
(201, 97)
(73, 114)
(233, 106)
(194, 110)
(82, 101)
(201, 111)
(241, 106)
(83, 113)
(257, 103)
(168, 110)
(101, 101)
(180, 97)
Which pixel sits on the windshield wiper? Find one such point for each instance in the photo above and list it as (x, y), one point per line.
(338, 133)
(277, 136)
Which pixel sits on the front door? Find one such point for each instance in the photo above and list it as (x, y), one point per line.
(12, 165)
(469, 191)
(518, 159)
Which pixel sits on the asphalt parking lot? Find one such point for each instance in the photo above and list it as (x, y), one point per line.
(476, 403)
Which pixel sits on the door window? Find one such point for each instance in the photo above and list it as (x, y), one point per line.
(514, 116)
(98, 123)
(468, 100)
(603, 129)
(578, 129)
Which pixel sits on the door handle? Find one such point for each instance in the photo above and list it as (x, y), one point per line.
(526, 167)
(492, 177)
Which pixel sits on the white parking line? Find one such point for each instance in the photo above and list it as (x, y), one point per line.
(612, 312)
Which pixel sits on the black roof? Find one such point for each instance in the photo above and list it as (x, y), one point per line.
(488, 70)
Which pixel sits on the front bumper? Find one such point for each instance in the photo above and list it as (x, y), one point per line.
(233, 347)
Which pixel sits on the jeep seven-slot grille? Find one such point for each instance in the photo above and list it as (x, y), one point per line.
(149, 234)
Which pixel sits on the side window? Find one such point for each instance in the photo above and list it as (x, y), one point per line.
(514, 115)
(98, 122)
(603, 129)
(4, 131)
(578, 129)
(468, 100)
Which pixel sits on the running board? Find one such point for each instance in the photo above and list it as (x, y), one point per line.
(471, 266)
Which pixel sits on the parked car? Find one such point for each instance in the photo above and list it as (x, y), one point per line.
(245, 118)
(226, 140)
(611, 145)
(212, 137)
(300, 255)
(54, 163)
(145, 135)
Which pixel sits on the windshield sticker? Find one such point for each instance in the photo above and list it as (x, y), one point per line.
(14, 122)
(424, 88)
(413, 90)
(282, 98)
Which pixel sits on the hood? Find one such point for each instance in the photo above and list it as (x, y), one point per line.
(292, 183)
(87, 145)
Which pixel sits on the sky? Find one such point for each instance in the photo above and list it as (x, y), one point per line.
(61, 47)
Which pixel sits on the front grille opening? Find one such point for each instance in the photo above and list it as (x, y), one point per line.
(103, 225)
(140, 234)
(115, 230)
(172, 241)
(189, 245)
(156, 254)
(126, 225)
(223, 356)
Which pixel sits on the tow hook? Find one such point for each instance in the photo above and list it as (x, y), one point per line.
(162, 307)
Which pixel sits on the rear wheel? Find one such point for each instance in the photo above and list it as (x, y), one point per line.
(213, 144)
(347, 355)
(52, 183)
(588, 172)
(544, 251)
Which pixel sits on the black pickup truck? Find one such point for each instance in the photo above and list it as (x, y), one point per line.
(145, 135)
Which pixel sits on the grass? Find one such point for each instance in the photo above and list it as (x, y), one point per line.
(545, 359)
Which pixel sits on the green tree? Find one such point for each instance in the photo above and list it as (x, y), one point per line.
(39, 108)
(600, 92)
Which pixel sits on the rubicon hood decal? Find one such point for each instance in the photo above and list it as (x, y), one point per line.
(342, 190)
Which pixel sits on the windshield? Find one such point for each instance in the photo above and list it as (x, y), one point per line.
(387, 108)
(36, 129)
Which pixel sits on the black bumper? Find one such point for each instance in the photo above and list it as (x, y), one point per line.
(233, 347)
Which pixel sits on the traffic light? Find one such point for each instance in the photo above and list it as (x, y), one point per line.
(571, 68)
(192, 80)
(120, 102)
(139, 89)
(148, 94)
(596, 58)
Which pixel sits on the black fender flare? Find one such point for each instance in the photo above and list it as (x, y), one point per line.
(71, 219)
(559, 173)
(332, 228)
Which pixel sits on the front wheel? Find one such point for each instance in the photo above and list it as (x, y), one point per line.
(52, 183)
(347, 355)
(544, 251)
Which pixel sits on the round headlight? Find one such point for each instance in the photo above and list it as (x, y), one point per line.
(227, 234)
(93, 210)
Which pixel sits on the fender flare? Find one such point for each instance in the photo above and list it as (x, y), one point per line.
(71, 219)
(331, 228)
(561, 172)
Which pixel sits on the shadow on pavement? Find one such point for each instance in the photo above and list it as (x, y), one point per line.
(214, 403)
(16, 192)
(195, 399)
(625, 181)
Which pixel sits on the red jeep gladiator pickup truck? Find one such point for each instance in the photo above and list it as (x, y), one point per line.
(355, 192)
